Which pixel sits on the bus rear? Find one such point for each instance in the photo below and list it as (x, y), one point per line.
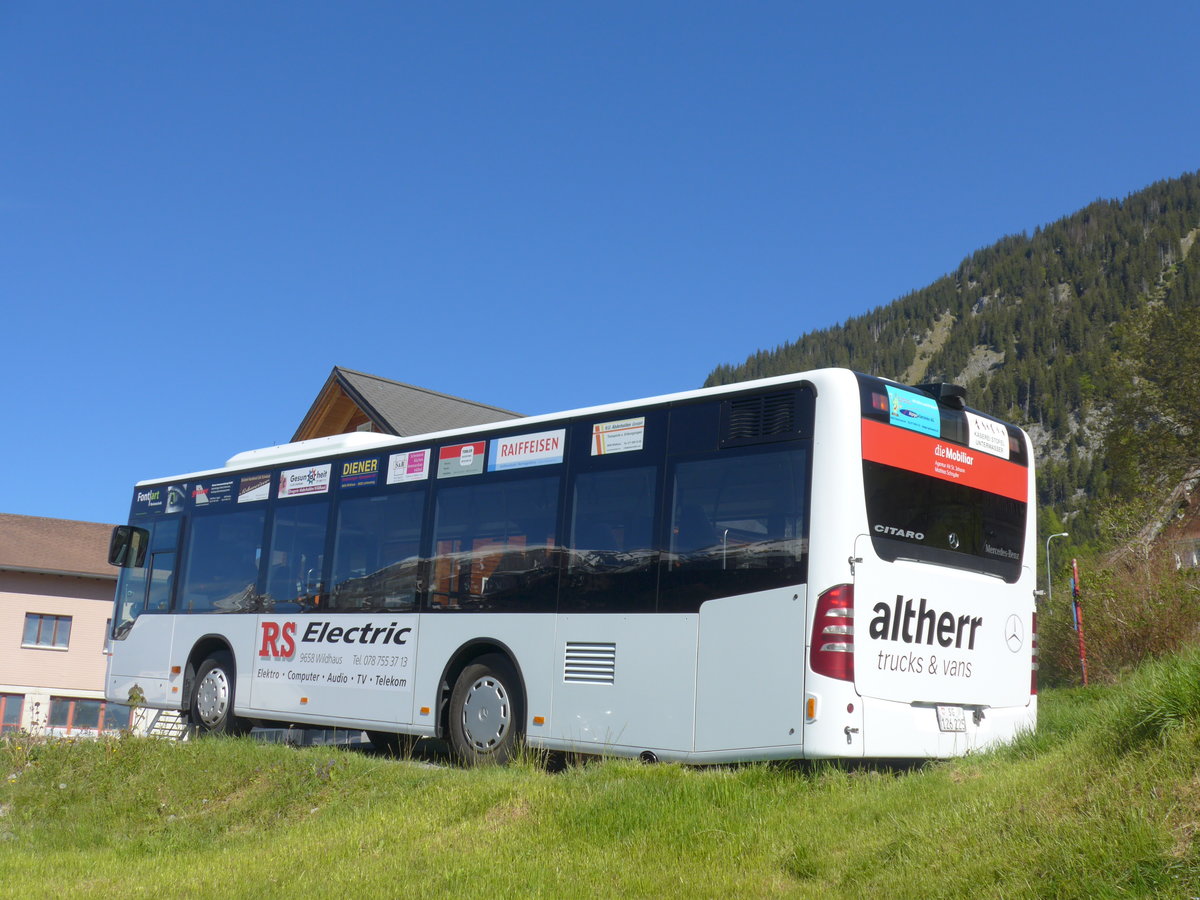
(926, 646)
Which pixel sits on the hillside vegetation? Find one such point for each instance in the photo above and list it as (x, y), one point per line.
(1053, 331)
(1103, 801)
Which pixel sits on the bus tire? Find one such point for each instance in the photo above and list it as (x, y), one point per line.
(486, 712)
(211, 707)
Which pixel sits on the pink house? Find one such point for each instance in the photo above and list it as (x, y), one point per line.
(56, 591)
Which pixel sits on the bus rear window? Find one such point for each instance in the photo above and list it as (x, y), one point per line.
(916, 516)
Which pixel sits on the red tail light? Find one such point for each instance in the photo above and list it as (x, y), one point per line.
(832, 652)
(1033, 645)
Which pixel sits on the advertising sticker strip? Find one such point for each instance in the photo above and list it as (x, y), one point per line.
(254, 487)
(542, 449)
(412, 465)
(461, 459)
(212, 493)
(305, 480)
(360, 473)
(914, 412)
(987, 435)
(941, 459)
(618, 437)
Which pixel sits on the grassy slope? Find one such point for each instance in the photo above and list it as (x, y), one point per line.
(1103, 801)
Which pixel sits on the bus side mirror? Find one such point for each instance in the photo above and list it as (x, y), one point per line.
(127, 547)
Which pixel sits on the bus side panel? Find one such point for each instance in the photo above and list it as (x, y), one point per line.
(750, 670)
(237, 629)
(141, 662)
(527, 637)
(340, 667)
(624, 683)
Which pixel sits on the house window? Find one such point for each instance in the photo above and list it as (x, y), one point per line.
(10, 711)
(72, 715)
(46, 631)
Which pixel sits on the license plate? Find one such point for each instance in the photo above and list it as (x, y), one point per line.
(951, 718)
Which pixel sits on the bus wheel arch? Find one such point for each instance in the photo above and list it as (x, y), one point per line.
(482, 704)
(209, 689)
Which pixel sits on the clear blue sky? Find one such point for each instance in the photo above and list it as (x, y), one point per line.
(204, 207)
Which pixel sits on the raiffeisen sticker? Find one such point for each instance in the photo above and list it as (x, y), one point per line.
(542, 449)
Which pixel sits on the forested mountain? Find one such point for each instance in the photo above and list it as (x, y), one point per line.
(1051, 330)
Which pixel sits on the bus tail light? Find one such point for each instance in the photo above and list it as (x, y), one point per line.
(1034, 646)
(832, 652)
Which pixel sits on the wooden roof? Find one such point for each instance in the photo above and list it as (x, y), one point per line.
(352, 401)
(54, 546)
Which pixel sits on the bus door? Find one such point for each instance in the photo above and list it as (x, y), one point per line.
(141, 626)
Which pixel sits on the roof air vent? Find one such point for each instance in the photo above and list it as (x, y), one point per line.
(759, 419)
(949, 395)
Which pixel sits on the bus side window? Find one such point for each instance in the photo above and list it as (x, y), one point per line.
(376, 557)
(738, 525)
(612, 563)
(222, 566)
(494, 546)
(162, 577)
(296, 559)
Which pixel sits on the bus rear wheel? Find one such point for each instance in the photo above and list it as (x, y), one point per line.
(485, 712)
(211, 708)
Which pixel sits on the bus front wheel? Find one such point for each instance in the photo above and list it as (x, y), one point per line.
(485, 712)
(212, 699)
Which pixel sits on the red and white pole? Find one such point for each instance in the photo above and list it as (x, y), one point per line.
(1075, 590)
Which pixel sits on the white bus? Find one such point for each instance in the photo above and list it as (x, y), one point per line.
(819, 565)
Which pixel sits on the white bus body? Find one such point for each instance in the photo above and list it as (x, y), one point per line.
(863, 586)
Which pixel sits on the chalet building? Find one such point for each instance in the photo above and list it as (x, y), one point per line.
(56, 587)
(353, 401)
(56, 593)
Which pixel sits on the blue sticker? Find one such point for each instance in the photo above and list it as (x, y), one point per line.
(914, 412)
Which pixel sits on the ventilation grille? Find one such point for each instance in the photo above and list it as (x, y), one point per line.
(762, 418)
(590, 664)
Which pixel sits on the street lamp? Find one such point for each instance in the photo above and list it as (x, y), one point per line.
(1049, 577)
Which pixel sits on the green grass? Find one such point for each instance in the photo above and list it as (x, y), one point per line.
(1104, 801)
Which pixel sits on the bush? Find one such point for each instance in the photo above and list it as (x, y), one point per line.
(1137, 611)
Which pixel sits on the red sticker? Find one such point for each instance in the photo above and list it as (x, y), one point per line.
(930, 456)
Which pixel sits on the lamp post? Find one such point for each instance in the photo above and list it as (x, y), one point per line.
(1049, 577)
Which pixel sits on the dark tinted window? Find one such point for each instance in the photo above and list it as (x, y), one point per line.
(494, 546)
(612, 563)
(222, 569)
(148, 589)
(738, 525)
(297, 557)
(376, 557)
(916, 516)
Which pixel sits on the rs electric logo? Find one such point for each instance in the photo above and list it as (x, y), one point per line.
(279, 638)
